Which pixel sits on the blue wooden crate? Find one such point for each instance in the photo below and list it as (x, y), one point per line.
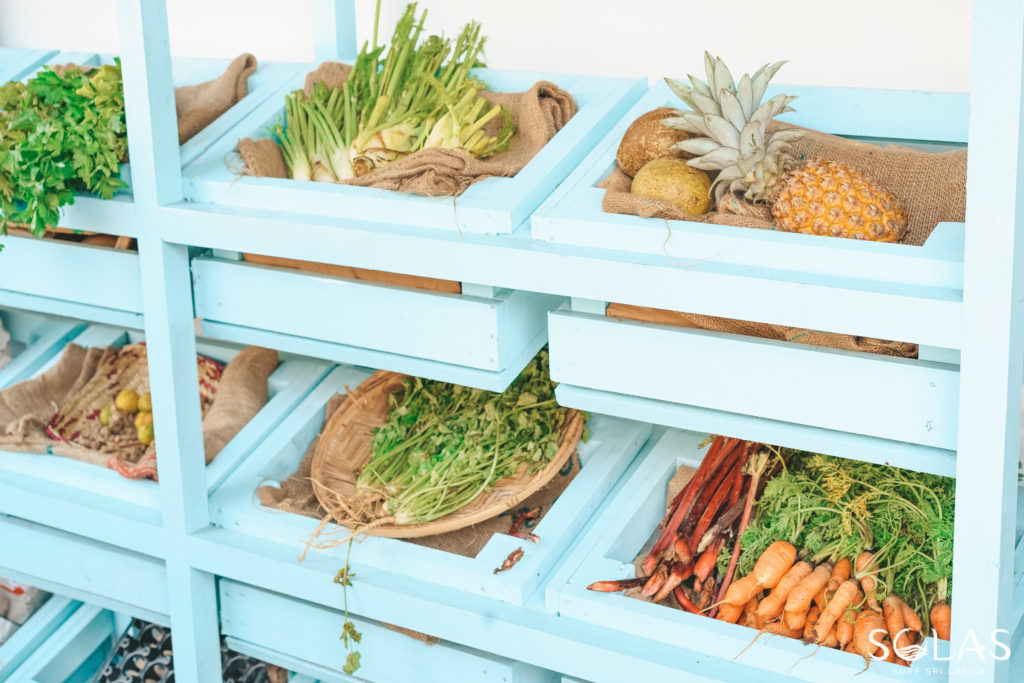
(711, 381)
(886, 291)
(116, 216)
(494, 205)
(33, 339)
(74, 652)
(618, 535)
(611, 447)
(251, 619)
(482, 337)
(98, 502)
(15, 62)
(30, 636)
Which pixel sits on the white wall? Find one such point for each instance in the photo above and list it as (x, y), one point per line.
(914, 44)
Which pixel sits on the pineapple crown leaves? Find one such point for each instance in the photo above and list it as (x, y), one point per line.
(731, 122)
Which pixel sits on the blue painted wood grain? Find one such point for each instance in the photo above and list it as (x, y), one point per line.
(71, 649)
(31, 635)
(387, 656)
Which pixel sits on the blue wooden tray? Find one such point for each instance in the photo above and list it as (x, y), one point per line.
(99, 503)
(494, 205)
(75, 651)
(612, 445)
(251, 619)
(482, 337)
(619, 532)
(31, 635)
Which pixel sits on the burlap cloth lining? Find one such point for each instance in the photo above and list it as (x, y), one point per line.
(295, 494)
(199, 105)
(682, 476)
(932, 188)
(5, 346)
(538, 114)
(57, 412)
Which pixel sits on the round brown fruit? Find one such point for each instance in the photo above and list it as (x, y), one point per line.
(648, 138)
(686, 187)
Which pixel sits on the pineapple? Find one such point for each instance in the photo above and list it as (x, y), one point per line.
(811, 196)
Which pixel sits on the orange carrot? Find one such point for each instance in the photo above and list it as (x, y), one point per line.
(847, 595)
(655, 583)
(812, 618)
(779, 629)
(772, 606)
(940, 617)
(768, 571)
(870, 625)
(840, 573)
(911, 619)
(866, 570)
(729, 613)
(892, 610)
(831, 640)
(844, 629)
(800, 597)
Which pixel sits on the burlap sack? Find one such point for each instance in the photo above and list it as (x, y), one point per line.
(295, 494)
(199, 105)
(932, 188)
(538, 114)
(58, 411)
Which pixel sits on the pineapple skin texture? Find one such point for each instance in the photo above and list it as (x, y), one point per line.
(820, 197)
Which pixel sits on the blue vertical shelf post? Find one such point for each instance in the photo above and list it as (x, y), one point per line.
(993, 346)
(167, 297)
(334, 29)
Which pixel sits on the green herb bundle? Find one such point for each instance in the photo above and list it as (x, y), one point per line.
(60, 133)
(833, 507)
(416, 95)
(444, 444)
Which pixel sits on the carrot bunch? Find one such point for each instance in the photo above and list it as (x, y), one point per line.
(825, 605)
(712, 507)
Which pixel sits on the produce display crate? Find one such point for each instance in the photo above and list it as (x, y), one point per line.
(617, 536)
(98, 502)
(30, 636)
(74, 652)
(100, 282)
(90, 213)
(482, 337)
(33, 339)
(887, 291)
(311, 646)
(16, 62)
(611, 447)
(494, 205)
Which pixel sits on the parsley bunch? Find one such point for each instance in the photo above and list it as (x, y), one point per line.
(60, 133)
(833, 507)
(444, 444)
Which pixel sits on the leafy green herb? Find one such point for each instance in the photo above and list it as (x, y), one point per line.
(833, 507)
(444, 444)
(60, 133)
(350, 637)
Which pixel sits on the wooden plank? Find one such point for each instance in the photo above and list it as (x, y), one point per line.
(71, 645)
(354, 313)
(100, 574)
(94, 276)
(688, 366)
(925, 315)
(992, 353)
(31, 635)
(814, 439)
(387, 656)
(334, 30)
(28, 362)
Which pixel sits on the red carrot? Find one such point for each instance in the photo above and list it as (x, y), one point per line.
(706, 563)
(684, 500)
(684, 601)
(725, 488)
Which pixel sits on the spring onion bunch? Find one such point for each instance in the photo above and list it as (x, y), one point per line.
(397, 100)
(445, 444)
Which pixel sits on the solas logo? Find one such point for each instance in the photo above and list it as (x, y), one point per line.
(912, 652)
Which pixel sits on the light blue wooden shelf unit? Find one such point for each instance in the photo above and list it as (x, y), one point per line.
(955, 411)
(94, 282)
(75, 651)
